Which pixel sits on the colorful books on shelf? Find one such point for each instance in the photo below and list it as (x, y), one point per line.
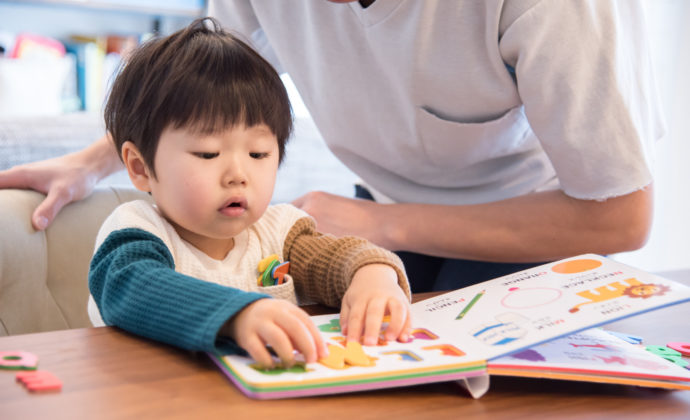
(97, 61)
(535, 323)
(90, 56)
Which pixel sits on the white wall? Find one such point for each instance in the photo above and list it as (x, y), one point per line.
(669, 245)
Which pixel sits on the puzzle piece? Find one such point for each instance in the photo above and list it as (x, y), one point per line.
(39, 380)
(332, 327)
(266, 277)
(335, 359)
(18, 360)
(662, 351)
(263, 264)
(355, 356)
(351, 355)
(299, 367)
(279, 271)
(668, 354)
(682, 348)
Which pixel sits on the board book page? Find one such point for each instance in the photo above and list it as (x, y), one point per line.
(593, 355)
(457, 333)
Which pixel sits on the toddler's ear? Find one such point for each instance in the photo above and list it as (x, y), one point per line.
(137, 169)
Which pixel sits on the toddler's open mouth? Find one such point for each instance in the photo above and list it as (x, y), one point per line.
(234, 206)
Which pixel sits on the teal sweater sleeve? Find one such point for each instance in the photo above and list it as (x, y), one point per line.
(133, 280)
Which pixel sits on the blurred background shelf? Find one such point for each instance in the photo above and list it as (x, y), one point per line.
(191, 8)
(95, 34)
(61, 18)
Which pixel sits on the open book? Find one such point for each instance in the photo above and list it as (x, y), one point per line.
(522, 324)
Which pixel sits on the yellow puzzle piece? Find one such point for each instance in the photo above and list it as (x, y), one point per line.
(263, 264)
(355, 356)
(351, 355)
(335, 358)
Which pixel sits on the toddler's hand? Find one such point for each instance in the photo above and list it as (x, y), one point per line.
(373, 293)
(279, 324)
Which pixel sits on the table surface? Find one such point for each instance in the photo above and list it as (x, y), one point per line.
(108, 373)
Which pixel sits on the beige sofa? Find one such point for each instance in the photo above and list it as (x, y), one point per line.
(43, 275)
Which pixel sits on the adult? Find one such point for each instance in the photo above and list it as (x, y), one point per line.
(489, 135)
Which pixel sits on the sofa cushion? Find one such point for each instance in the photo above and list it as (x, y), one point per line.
(43, 275)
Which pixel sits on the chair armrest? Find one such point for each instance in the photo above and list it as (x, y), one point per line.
(43, 275)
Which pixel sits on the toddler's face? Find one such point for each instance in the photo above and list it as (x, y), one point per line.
(211, 187)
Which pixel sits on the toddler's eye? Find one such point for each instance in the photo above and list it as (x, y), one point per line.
(258, 155)
(206, 155)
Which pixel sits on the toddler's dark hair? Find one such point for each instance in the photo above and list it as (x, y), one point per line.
(200, 78)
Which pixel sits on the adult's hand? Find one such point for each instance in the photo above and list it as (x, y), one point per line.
(63, 179)
(342, 216)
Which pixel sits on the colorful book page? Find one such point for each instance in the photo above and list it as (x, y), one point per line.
(426, 358)
(596, 356)
(524, 309)
(457, 332)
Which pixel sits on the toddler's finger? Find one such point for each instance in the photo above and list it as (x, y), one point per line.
(407, 328)
(321, 348)
(355, 322)
(344, 314)
(374, 317)
(257, 351)
(296, 331)
(398, 316)
(278, 338)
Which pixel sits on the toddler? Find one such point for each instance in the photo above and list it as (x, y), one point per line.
(200, 121)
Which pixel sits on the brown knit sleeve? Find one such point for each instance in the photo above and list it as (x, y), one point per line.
(322, 265)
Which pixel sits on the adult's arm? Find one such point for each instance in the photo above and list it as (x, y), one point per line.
(532, 228)
(584, 76)
(64, 179)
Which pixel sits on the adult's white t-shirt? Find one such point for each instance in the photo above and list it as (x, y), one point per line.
(465, 101)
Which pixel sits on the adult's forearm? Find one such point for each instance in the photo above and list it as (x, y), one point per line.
(101, 157)
(537, 227)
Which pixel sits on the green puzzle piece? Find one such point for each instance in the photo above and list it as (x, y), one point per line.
(299, 367)
(332, 327)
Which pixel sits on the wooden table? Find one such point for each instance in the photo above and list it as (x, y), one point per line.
(108, 373)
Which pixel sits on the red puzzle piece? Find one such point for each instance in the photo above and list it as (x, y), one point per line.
(39, 380)
(682, 348)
